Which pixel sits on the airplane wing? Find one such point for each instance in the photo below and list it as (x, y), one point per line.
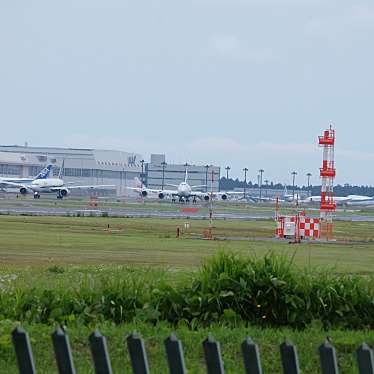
(168, 192)
(199, 186)
(138, 189)
(5, 184)
(89, 187)
(229, 193)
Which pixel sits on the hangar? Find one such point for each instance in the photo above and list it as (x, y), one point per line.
(95, 166)
(82, 166)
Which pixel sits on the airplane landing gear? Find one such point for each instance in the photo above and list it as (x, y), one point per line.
(194, 200)
(36, 195)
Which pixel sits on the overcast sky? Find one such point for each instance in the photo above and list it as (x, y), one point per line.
(245, 83)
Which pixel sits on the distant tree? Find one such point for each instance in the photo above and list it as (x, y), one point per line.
(339, 190)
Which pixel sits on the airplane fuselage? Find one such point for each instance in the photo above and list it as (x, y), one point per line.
(46, 185)
(184, 190)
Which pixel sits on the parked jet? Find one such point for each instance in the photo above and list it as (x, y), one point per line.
(16, 182)
(344, 200)
(48, 185)
(183, 191)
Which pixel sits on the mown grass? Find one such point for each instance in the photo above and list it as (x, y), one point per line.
(307, 342)
(74, 262)
(45, 241)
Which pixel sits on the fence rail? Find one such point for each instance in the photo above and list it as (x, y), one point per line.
(175, 356)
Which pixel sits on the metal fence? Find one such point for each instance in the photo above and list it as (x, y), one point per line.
(175, 356)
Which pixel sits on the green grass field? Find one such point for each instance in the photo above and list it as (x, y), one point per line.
(36, 249)
(45, 241)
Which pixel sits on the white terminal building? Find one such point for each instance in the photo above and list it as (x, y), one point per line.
(95, 166)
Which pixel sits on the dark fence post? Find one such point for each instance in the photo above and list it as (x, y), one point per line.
(174, 354)
(138, 356)
(213, 358)
(290, 360)
(327, 355)
(365, 359)
(251, 357)
(100, 355)
(64, 357)
(22, 346)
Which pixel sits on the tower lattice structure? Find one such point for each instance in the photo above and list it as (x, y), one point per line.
(327, 174)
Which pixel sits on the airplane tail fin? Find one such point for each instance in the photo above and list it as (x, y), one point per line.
(61, 172)
(186, 176)
(138, 183)
(44, 174)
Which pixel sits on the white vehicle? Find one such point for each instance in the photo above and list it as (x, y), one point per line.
(184, 192)
(49, 185)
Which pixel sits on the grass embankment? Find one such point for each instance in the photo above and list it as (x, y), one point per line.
(44, 241)
(229, 296)
(307, 342)
(269, 292)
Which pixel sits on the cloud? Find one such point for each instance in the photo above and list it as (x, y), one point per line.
(344, 20)
(230, 47)
(217, 144)
(278, 159)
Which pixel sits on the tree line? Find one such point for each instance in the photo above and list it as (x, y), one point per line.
(339, 190)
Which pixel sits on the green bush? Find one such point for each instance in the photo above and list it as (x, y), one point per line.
(227, 289)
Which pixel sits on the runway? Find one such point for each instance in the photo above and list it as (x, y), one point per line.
(154, 213)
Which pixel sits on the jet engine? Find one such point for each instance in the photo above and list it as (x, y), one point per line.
(144, 193)
(161, 195)
(63, 193)
(224, 197)
(23, 190)
(206, 197)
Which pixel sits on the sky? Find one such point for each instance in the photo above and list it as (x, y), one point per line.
(243, 83)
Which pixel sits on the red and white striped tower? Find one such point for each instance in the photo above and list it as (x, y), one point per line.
(327, 173)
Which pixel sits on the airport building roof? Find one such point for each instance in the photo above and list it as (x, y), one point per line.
(74, 157)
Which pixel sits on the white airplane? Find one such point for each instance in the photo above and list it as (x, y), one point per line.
(184, 192)
(16, 182)
(48, 185)
(290, 197)
(344, 200)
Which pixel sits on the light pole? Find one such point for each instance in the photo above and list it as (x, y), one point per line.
(142, 177)
(294, 173)
(206, 177)
(163, 163)
(309, 175)
(227, 172)
(245, 182)
(267, 186)
(260, 181)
